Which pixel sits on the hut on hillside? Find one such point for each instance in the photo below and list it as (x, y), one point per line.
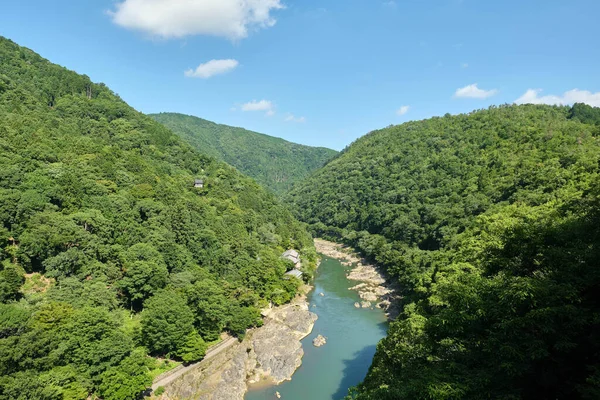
(292, 255)
(295, 273)
(199, 183)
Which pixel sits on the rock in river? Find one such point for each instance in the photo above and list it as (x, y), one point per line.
(319, 341)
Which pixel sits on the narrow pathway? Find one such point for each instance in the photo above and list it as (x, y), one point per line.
(181, 370)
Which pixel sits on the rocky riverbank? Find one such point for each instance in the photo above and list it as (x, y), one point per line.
(268, 355)
(373, 288)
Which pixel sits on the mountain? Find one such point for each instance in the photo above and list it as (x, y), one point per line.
(108, 251)
(275, 163)
(490, 225)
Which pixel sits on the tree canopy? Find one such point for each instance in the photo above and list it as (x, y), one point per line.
(489, 224)
(108, 252)
(275, 163)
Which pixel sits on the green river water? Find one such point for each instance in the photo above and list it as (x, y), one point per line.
(352, 335)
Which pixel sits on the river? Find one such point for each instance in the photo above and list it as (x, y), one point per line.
(352, 334)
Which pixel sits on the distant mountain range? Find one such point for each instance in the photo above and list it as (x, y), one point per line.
(273, 162)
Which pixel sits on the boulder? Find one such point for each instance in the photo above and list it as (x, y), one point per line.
(319, 341)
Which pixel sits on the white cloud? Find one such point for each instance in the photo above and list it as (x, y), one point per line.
(231, 19)
(474, 92)
(292, 118)
(391, 4)
(403, 110)
(263, 105)
(212, 68)
(532, 96)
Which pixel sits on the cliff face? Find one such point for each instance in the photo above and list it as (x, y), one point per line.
(269, 354)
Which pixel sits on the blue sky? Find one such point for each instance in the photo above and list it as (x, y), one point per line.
(320, 72)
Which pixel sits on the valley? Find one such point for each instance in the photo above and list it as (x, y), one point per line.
(168, 257)
(328, 371)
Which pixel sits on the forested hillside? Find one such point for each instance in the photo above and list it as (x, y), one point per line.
(490, 224)
(108, 251)
(275, 163)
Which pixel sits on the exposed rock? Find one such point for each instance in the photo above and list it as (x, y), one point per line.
(367, 296)
(359, 286)
(382, 291)
(296, 317)
(372, 287)
(222, 377)
(319, 341)
(321, 294)
(334, 250)
(272, 352)
(367, 274)
(366, 304)
(277, 344)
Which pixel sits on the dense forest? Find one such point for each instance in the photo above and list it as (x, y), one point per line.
(489, 223)
(275, 163)
(110, 255)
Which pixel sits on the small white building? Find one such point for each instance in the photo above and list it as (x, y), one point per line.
(295, 273)
(292, 255)
(198, 183)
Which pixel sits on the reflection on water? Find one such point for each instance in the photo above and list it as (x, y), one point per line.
(352, 334)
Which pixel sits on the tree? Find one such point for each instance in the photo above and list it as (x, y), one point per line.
(67, 382)
(127, 380)
(209, 305)
(193, 348)
(97, 200)
(11, 280)
(141, 280)
(167, 322)
(13, 318)
(243, 318)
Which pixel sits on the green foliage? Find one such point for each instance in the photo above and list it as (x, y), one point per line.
(97, 206)
(242, 319)
(166, 323)
(91, 293)
(209, 306)
(275, 163)
(127, 380)
(13, 318)
(11, 280)
(193, 348)
(489, 222)
(586, 114)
